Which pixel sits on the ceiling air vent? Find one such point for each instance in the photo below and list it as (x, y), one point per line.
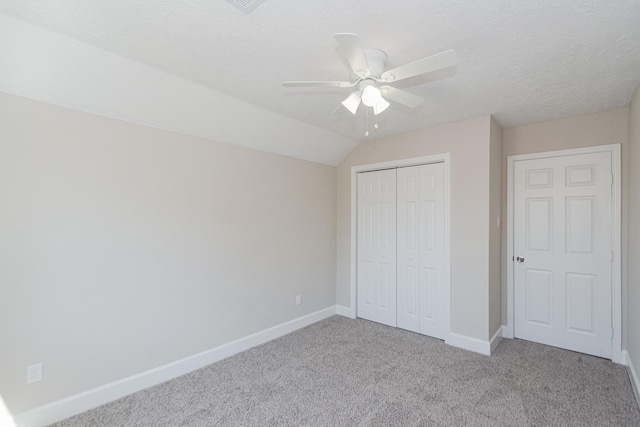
(246, 5)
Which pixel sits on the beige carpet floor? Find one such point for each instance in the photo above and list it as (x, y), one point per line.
(343, 372)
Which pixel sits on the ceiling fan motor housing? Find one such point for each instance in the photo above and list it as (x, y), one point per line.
(377, 61)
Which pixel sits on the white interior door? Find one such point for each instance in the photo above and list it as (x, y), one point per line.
(376, 271)
(420, 259)
(563, 251)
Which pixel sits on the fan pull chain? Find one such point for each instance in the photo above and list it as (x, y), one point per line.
(366, 122)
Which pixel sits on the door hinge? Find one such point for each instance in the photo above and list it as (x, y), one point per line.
(611, 256)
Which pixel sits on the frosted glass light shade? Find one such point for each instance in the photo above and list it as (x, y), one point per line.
(371, 95)
(380, 106)
(352, 102)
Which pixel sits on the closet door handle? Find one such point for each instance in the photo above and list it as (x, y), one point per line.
(520, 259)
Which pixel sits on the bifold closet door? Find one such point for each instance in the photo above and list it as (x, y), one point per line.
(420, 249)
(376, 270)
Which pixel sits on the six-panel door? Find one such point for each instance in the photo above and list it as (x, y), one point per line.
(563, 252)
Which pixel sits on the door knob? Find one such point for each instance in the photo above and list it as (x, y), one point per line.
(520, 259)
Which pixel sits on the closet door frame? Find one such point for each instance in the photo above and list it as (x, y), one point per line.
(444, 158)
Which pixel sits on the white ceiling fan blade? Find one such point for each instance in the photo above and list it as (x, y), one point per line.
(401, 97)
(319, 84)
(351, 49)
(422, 66)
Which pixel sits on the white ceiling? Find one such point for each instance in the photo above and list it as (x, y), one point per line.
(520, 61)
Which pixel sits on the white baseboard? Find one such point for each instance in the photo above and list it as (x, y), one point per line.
(468, 343)
(474, 344)
(507, 332)
(625, 358)
(633, 375)
(620, 357)
(73, 405)
(495, 340)
(342, 310)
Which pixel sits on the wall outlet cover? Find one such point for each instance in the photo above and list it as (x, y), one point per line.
(34, 373)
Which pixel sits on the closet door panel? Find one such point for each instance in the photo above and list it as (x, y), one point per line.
(376, 256)
(409, 274)
(421, 249)
(432, 250)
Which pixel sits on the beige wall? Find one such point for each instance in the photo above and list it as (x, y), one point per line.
(633, 297)
(581, 131)
(468, 142)
(123, 248)
(495, 242)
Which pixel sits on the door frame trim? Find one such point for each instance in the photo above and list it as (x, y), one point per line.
(616, 270)
(413, 161)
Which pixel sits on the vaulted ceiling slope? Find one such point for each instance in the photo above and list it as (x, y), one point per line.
(208, 69)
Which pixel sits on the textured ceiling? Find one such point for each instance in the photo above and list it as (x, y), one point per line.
(520, 61)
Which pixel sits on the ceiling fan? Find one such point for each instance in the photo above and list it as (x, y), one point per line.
(372, 81)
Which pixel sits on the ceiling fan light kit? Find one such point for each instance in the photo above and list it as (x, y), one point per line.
(372, 97)
(368, 68)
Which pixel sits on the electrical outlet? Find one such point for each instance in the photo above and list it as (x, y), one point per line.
(298, 299)
(34, 373)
